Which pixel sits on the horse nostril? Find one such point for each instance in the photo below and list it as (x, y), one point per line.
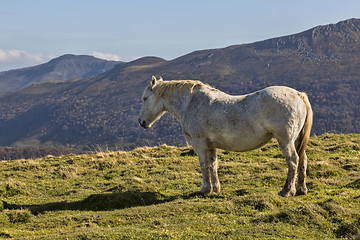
(141, 122)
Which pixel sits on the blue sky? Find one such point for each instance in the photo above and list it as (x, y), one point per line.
(34, 31)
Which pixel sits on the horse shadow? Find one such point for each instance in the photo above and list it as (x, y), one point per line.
(105, 202)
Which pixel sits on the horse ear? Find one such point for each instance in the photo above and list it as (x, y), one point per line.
(161, 79)
(153, 82)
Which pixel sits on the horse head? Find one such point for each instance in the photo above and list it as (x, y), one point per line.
(151, 109)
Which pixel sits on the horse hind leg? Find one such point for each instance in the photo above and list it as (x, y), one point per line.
(301, 184)
(292, 160)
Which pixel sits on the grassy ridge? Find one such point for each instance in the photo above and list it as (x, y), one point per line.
(151, 193)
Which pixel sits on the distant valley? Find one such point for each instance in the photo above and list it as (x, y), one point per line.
(96, 103)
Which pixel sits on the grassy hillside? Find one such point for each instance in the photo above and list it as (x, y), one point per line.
(150, 193)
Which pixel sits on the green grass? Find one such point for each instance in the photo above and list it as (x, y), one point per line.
(151, 193)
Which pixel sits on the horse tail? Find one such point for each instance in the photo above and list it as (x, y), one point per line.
(304, 134)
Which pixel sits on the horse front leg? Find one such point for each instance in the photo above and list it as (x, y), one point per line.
(202, 154)
(212, 156)
(205, 170)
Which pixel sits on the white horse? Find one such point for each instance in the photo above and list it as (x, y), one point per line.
(212, 119)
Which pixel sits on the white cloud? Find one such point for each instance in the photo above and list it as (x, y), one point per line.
(11, 59)
(14, 59)
(107, 56)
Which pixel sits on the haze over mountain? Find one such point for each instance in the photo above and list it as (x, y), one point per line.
(62, 68)
(323, 61)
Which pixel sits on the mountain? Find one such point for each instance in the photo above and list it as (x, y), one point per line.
(59, 69)
(323, 61)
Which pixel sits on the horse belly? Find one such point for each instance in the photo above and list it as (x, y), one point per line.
(238, 142)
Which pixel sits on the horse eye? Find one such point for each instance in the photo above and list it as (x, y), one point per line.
(144, 98)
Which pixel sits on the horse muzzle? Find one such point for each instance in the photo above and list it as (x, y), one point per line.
(143, 123)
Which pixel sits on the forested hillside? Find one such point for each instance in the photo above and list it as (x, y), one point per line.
(323, 61)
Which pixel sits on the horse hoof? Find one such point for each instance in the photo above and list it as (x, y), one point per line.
(216, 188)
(206, 190)
(286, 193)
(301, 191)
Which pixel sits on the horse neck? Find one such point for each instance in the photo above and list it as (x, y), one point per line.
(176, 103)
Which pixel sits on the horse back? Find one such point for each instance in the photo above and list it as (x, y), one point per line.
(256, 117)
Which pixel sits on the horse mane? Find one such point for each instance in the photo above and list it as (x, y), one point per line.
(168, 87)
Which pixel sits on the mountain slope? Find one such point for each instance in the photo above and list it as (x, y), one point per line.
(323, 61)
(62, 68)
